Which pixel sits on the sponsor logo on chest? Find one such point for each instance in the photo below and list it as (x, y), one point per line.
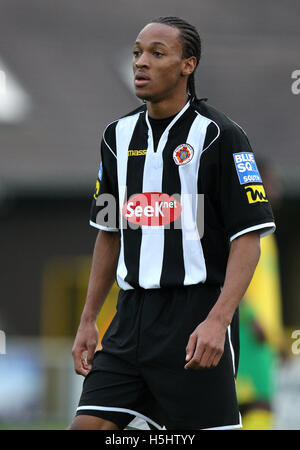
(152, 209)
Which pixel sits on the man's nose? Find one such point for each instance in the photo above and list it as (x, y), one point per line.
(142, 61)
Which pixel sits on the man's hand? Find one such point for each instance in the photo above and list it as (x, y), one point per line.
(206, 345)
(102, 277)
(84, 347)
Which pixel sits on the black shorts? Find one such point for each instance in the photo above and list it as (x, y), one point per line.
(140, 370)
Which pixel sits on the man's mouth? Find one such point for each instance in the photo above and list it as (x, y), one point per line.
(141, 79)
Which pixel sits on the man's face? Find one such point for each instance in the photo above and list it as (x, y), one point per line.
(158, 63)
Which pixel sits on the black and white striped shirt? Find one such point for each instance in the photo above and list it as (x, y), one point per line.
(178, 206)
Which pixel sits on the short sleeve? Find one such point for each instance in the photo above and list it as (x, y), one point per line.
(104, 207)
(244, 202)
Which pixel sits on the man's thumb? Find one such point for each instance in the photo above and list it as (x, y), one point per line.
(190, 347)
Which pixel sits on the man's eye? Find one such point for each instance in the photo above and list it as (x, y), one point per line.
(158, 54)
(136, 52)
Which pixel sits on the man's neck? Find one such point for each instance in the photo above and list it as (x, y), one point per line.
(167, 107)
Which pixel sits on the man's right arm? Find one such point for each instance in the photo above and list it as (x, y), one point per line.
(102, 277)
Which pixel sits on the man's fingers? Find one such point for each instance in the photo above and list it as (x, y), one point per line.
(79, 362)
(84, 360)
(217, 358)
(205, 357)
(90, 353)
(194, 362)
(190, 348)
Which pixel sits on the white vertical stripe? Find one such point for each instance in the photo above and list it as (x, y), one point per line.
(194, 263)
(124, 131)
(152, 245)
(231, 348)
(153, 238)
(233, 364)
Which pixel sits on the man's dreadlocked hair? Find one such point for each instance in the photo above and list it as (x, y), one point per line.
(191, 44)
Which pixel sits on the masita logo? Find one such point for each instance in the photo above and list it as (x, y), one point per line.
(256, 193)
(137, 152)
(152, 209)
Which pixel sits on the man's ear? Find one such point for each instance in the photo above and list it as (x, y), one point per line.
(189, 65)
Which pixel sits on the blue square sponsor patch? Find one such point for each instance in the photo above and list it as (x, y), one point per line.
(246, 168)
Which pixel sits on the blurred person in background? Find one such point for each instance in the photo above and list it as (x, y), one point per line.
(262, 339)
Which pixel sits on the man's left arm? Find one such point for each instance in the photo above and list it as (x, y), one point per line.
(206, 344)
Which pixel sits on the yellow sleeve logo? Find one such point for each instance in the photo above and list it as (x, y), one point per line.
(256, 193)
(97, 189)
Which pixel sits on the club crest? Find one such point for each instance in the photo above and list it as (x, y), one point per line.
(183, 154)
